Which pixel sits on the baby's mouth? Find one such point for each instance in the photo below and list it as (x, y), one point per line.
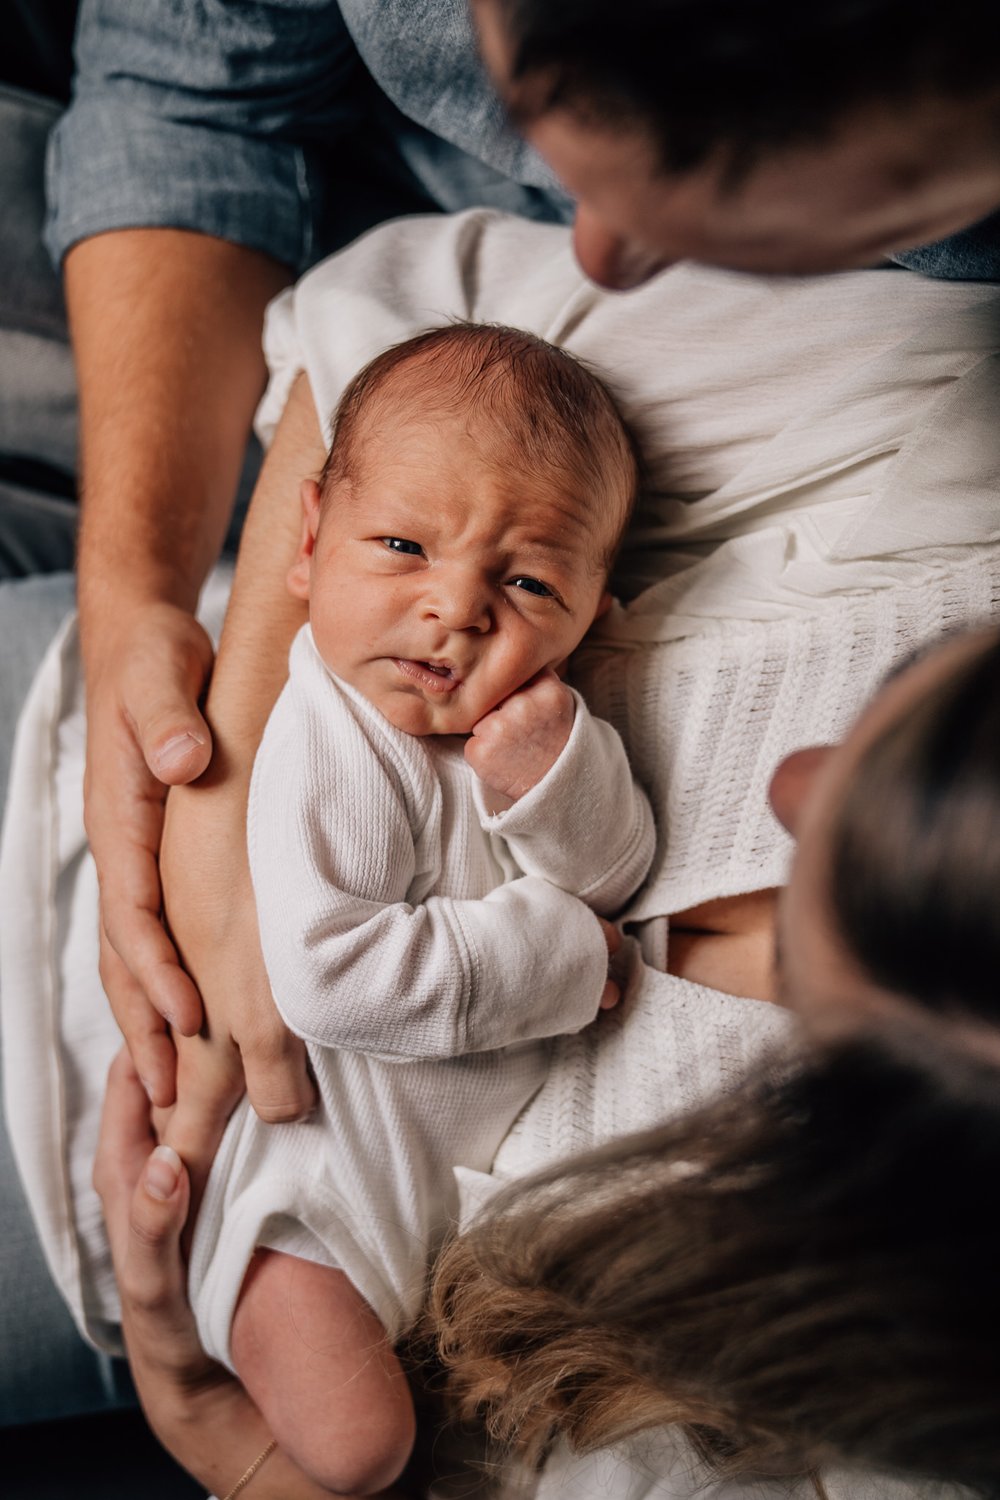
(438, 676)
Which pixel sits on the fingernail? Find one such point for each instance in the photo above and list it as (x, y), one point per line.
(170, 755)
(162, 1172)
(149, 1089)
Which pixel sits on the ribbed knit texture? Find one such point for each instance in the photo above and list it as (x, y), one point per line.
(394, 914)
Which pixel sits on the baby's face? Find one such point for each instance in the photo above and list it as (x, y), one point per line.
(440, 580)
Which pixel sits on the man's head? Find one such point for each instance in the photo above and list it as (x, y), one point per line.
(459, 538)
(767, 136)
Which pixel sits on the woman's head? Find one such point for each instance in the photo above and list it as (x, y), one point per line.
(893, 898)
(803, 1274)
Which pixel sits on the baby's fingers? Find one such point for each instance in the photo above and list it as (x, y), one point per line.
(612, 936)
(611, 996)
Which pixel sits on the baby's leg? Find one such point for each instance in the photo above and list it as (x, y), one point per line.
(318, 1364)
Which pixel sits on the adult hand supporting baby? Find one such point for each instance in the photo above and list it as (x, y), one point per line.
(200, 1412)
(144, 730)
(162, 442)
(207, 894)
(513, 746)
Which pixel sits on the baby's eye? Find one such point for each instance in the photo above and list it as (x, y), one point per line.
(533, 586)
(400, 544)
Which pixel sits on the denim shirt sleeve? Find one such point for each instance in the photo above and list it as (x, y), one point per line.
(971, 255)
(201, 116)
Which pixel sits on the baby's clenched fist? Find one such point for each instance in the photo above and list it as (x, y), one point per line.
(513, 746)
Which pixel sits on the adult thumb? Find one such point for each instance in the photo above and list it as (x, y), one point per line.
(177, 744)
(175, 739)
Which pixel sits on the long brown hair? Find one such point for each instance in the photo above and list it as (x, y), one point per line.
(805, 1272)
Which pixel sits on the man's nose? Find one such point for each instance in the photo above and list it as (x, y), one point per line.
(610, 259)
(460, 600)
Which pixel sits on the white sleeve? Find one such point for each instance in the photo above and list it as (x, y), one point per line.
(587, 826)
(351, 963)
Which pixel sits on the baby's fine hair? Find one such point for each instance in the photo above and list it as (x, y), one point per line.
(551, 412)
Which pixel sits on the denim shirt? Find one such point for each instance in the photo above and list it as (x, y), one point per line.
(227, 117)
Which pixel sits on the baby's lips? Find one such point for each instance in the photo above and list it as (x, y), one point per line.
(420, 670)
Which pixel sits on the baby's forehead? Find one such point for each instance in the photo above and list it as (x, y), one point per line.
(530, 412)
(544, 498)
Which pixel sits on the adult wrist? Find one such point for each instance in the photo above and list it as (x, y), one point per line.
(107, 622)
(117, 590)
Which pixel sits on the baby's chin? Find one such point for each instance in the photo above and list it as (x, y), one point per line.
(416, 715)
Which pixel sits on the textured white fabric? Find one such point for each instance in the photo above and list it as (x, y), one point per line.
(387, 929)
(823, 463)
(397, 915)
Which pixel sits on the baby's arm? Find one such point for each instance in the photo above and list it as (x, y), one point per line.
(355, 958)
(317, 1362)
(573, 815)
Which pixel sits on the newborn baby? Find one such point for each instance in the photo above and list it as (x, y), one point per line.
(437, 826)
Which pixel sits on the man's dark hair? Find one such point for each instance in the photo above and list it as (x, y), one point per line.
(740, 77)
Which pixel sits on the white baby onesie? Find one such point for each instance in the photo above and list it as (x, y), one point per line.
(425, 949)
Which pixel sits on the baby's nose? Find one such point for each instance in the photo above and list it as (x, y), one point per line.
(460, 602)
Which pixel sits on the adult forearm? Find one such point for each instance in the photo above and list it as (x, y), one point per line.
(167, 336)
(263, 616)
(166, 328)
(203, 861)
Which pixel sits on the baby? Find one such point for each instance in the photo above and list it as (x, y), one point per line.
(436, 827)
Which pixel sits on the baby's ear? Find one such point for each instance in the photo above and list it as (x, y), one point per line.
(603, 604)
(300, 571)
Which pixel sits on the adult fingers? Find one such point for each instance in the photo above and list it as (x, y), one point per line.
(160, 1330)
(144, 1192)
(125, 1140)
(143, 1028)
(209, 1086)
(124, 825)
